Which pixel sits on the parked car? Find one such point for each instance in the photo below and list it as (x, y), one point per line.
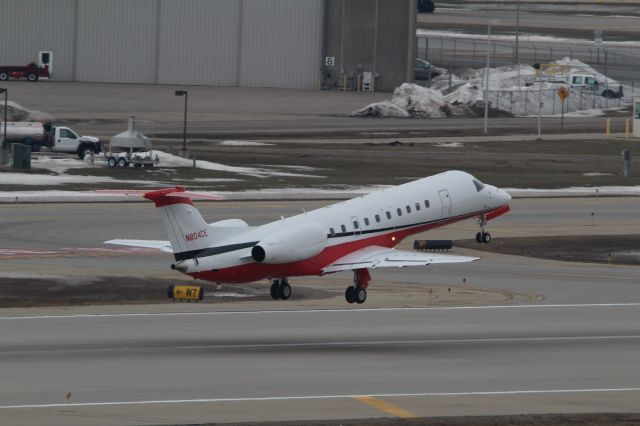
(426, 6)
(423, 70)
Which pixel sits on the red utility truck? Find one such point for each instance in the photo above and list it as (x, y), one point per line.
(31, 72)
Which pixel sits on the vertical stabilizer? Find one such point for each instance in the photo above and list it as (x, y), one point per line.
(185, 226)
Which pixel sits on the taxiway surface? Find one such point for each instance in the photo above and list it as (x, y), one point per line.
(576, 350)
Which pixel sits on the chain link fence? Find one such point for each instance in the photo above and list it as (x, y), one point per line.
(459, 53)
(525, 102)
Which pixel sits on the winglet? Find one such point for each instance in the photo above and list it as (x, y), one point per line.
(177, 195)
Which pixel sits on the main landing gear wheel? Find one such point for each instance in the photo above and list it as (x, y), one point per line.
(350, 294)
(275, 290)
(280, 289)
(360, 295)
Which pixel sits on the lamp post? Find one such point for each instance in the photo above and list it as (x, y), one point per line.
(486, 82)
(4, 134)
(516, 59)
(184, 130)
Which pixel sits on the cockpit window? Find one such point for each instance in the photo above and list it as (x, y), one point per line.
(479, 185)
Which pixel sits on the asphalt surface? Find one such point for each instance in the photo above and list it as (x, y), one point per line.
(227, 113)
(573, 348)
(282, 365)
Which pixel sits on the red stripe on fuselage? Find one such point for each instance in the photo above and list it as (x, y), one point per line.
(313, 266)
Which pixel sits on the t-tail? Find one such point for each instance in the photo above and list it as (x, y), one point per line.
(187, 230)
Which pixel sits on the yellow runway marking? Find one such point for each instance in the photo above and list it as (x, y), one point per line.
(386, 407)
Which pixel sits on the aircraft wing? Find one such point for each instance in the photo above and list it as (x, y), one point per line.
(152, 244)
(382, 257)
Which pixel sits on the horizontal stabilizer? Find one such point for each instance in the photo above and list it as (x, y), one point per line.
(168, 196)
(151, 244)
(382, 257)
(178, 192)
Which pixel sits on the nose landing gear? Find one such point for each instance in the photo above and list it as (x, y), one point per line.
(358, 293)
(280, 289)
(482, 237)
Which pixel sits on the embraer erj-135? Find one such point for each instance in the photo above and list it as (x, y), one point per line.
(355, 235)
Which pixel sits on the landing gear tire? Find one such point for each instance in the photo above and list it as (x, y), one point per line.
(350, 294)
(360, 295)
(479, 237)
(285, 291)
(486, 238)
(275, 290)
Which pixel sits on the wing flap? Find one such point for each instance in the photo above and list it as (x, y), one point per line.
(382, 257)
(152, 244)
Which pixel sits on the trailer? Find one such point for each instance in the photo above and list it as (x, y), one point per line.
(54, 138)
(32, 72)
(130, 148)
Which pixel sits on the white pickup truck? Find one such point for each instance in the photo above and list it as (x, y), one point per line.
(56, 139)
(587, 81)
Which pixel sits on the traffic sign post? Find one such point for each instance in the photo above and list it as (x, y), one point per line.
(563, 94)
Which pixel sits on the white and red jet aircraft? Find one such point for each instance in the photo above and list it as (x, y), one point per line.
(357, 235)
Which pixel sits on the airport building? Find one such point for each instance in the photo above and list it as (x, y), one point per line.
(297, 44)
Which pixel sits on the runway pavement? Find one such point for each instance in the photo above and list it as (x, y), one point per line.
(575, 350)
(217, 367)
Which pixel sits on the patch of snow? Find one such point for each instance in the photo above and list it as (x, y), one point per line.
(524, 38)
(295, 193)
(574, 191)
(597, 174)
(49, 180)
(450, 145)
(244, 143)
(229, 294)
(513, 89)
(58, 165)
(299, 168)
(171, 160)
(209, 180)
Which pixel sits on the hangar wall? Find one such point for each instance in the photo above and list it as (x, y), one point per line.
(250, 43)
(265, 43)
(372, 35)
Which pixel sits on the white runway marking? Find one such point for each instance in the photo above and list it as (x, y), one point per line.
(441, 308)
(312, 397)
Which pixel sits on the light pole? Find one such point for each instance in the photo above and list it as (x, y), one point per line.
(486, 83)
(4, 134)
(516, 59)
(184, 130)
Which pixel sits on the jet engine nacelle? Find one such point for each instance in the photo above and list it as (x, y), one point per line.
(297, 243)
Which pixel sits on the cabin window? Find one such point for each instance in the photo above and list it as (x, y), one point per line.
(377, 218)
(344, 228)
(399, 210)
(355, 224)
(332, 232)
(408, 209)
(479, 185)
(418, 207)
(426, 203)
(388, 215)
(577, 79)
(66, 133)
(366, 221)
